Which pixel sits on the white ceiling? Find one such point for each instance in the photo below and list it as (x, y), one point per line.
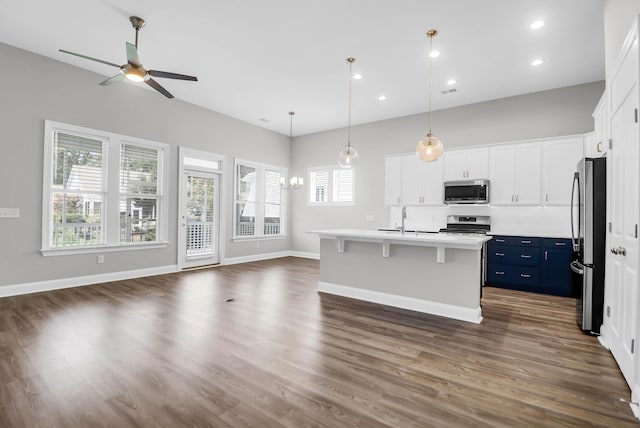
(261, 59)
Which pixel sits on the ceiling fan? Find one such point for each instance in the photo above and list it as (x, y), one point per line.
(133, 69)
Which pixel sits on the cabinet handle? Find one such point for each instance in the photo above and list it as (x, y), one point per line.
(499, 272)
(398, 199)
(547, 198)
(513, 198)
(499, 240)
(561, 244)
(500, 254)
(516, 198)
(545, 255)
(525, 275)
(525, 256)
(525, 242)
(598, 149)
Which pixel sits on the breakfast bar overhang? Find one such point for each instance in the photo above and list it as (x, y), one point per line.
(434, 273)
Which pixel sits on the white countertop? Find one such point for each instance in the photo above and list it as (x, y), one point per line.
(408, 238)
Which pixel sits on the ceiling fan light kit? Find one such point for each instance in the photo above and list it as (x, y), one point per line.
(133, 69)
(430, 148)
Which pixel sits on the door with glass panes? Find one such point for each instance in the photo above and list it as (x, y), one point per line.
(200, 218)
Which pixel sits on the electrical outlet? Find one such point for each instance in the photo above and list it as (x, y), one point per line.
(100, 259)
(369, 218)
(9, 212)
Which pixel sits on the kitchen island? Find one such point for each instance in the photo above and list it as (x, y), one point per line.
(434, 273)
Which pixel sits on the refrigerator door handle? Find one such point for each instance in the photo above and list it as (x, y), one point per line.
(577, 267)
(575, 239)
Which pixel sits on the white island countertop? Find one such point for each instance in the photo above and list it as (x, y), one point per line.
(386, 238)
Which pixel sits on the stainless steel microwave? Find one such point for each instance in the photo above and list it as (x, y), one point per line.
(466, 192)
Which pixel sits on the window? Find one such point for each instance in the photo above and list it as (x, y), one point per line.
(100, 190)
(331, 186)
(260, 204)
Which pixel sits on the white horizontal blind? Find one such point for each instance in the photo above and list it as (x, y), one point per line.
(342, 185)
(319, 186)
(77, 191)
(138, 193)
(246, 191)
(138, 170)
(272, 202)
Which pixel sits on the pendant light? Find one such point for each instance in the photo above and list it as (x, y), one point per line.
(294, 182)
(348, 156)
(430, 148)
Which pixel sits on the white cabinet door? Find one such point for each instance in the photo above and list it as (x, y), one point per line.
(393, 181)
(599, 145)
(466, 164)
(412, 189)
(528, 173)
(477, 163)
(502, 168)
(560, 163)
(455, 165)
(422, 181)
(432, 182)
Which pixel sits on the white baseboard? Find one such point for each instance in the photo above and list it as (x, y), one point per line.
(78, 281)
(434, 308)
(305, 255)
(635, 396)
(255, 258)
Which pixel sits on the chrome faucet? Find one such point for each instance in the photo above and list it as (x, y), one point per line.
(404, 217)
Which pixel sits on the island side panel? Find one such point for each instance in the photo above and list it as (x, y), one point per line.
(410, 271)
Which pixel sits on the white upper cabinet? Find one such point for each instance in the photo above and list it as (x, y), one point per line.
(422, 181)
(598, 145)
(466, 164)
(560, 160)
(515, 172)
(410, 181)
(393, 181)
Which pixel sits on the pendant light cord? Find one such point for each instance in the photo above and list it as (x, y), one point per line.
(351, 60)
(430, 77)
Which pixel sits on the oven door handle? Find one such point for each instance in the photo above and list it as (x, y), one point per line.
(577, 267)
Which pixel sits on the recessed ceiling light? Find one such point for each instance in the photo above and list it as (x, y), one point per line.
(451, 82)
(382, 98)
(536, 62)
(434, 54)
(536, 24)
(357, 76)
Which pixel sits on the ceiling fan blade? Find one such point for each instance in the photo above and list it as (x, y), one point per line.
(132, 54)
(89, 58)
(155, 85)
(115, 79)
(168, 75)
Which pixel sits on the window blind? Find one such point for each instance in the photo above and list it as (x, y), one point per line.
(138, 170)
(319, 186)
(272, 202)
(343, 185)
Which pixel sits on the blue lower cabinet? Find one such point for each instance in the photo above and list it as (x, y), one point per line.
(539, 265)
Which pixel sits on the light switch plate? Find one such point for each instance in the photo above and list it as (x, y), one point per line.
(9, 212)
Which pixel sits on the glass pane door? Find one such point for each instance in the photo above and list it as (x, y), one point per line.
(200, 218)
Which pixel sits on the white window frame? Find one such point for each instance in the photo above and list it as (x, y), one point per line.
(260, 201)
(111, 203)
(330, 202)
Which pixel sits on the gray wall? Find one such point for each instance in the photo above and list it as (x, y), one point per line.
(35, 88)
(563, 111)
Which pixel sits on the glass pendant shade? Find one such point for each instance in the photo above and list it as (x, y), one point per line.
(348, 156)
(430, 148)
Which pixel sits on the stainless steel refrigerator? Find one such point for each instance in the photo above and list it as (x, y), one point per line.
(589, 233)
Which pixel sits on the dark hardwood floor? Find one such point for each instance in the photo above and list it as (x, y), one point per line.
(173, 351)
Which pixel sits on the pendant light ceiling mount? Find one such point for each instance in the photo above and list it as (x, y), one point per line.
(348, 156)
(430, 148)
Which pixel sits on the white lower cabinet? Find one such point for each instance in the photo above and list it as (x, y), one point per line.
(514, 174)
(560, 160)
